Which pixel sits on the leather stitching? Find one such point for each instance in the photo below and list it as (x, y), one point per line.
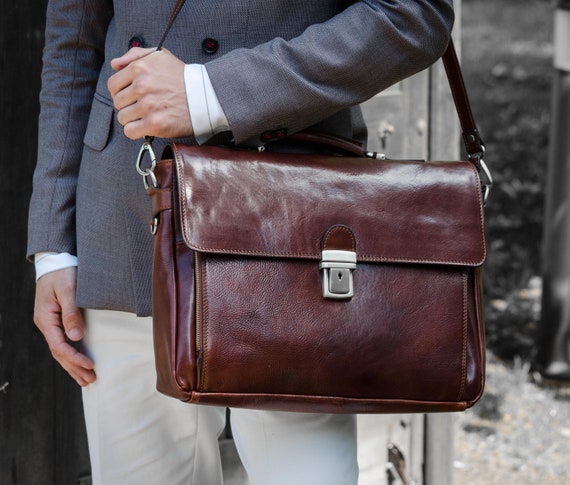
(463, 339)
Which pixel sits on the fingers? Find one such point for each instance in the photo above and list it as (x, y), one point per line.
(150, 95)
(151, 117)
(134, 130)
(128, 70)
(132, 55)
(58, 318)
(77, 365)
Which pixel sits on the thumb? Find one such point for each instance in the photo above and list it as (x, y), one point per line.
(71, 315)
(130, 56)
(73, 325)
(72, 320)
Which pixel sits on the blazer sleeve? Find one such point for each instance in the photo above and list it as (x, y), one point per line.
(72, 58)
(287, 85)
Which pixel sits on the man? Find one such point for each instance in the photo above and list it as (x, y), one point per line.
(247, 72)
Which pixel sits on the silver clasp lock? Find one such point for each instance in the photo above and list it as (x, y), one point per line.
(337, 269)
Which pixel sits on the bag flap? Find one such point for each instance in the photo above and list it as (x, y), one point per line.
(281, 205)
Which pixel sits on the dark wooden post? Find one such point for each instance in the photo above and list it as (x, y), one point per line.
(42, 438)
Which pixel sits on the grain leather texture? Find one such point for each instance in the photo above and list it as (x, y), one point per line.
(239, 316)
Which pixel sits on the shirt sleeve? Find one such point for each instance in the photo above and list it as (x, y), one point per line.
(208, 117)
(47, 262)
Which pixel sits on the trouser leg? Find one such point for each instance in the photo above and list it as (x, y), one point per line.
(279, 448)
(136, 435)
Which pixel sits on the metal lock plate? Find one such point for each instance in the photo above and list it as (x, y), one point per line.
(337, 267)
(339, 280)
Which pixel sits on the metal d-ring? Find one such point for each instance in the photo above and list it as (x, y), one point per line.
(478, 160)
(154, 226)
(147, 173)
(489, 183)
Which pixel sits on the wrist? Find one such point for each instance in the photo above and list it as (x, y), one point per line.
(47, 262)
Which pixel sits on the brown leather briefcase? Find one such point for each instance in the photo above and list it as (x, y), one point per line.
(318, 282)
(314, 282)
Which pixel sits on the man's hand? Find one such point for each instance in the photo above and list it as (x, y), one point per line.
(60, 321)
(149, 92)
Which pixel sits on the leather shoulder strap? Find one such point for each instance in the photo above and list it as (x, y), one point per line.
(471, 137)
(175, 11)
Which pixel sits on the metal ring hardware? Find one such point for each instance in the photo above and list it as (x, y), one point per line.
(154, 226)
(147, 173)
(487, 184)
(375, 155)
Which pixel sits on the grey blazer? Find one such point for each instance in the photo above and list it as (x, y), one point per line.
(276, 65)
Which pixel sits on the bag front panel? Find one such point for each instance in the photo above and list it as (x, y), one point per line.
(266, 329)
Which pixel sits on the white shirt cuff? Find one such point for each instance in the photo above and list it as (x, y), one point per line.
(49, 262)
(208, 117)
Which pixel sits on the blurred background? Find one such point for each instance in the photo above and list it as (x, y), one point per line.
(520, 431)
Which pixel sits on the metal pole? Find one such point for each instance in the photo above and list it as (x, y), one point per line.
(553, 356)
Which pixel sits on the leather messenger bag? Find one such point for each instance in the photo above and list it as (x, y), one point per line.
(319, 282)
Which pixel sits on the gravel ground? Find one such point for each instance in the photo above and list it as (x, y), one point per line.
(519, 432)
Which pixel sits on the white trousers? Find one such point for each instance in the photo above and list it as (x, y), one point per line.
(138, 436)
